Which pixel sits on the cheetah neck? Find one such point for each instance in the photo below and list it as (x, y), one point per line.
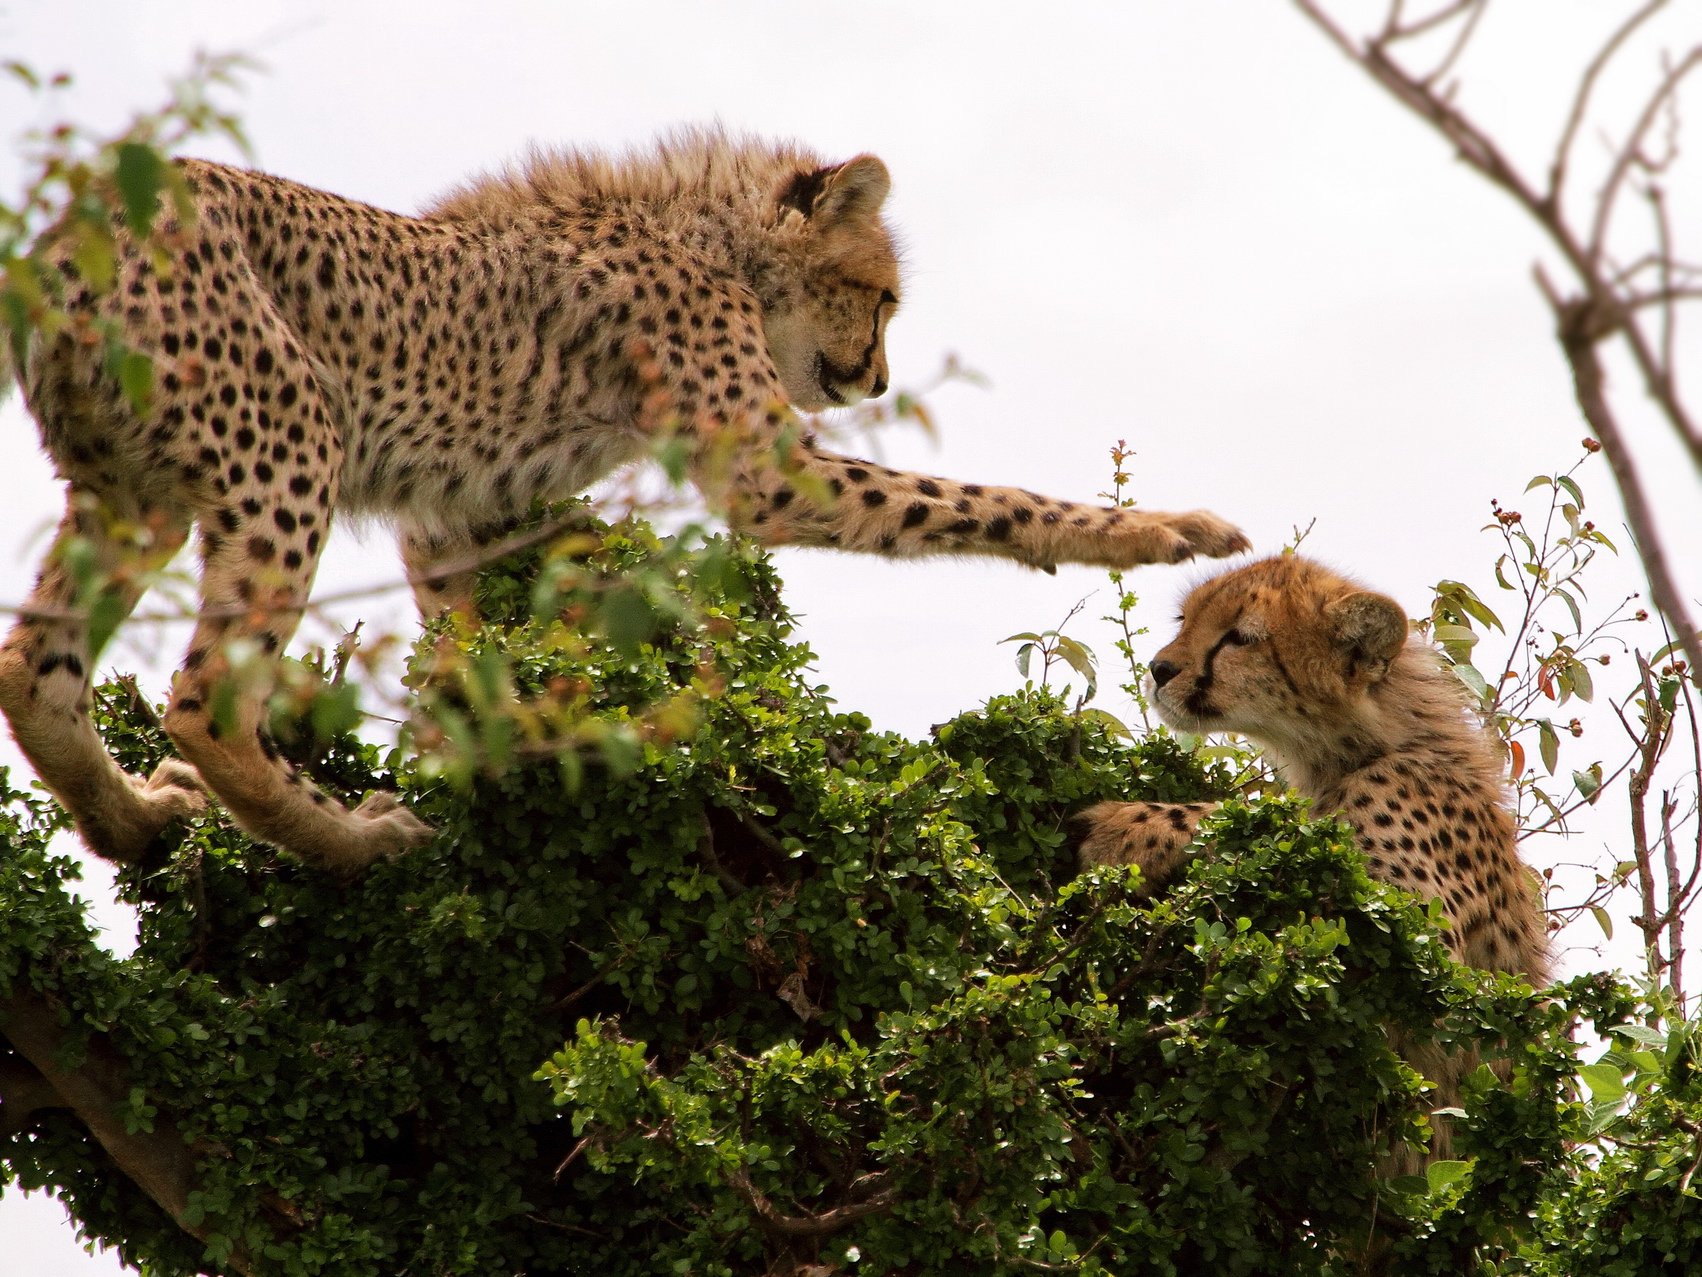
(1416, 712)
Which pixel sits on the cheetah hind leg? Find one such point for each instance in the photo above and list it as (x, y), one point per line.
(256, 605)
(46, 685)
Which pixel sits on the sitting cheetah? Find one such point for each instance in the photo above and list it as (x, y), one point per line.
(1370, 725)
(516, 343)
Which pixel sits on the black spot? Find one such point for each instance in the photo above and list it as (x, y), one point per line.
(874, 497)
(915, 515)
(66, 661)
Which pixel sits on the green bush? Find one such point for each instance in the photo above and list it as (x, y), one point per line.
(754, 987)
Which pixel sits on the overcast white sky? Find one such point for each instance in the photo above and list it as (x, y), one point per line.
(1190, 225)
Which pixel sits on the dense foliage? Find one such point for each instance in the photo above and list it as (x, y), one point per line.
(753, 988)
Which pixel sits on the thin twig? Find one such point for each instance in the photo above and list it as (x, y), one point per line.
(1608, 197)
(1581, 99)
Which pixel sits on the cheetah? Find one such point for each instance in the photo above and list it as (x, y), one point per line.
(1369, 723)
(521, 339)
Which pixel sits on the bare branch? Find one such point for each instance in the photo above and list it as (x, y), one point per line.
(1397, 29)
(1675, 900)
(1456, 50)
(880, 1197)
(1578, 329)
(1585, 321)
(1608, 197)
(1581, 100)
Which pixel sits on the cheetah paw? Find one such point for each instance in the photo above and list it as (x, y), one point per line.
(1201, 532)
(391, 828)
(176, 787)
(128, 832)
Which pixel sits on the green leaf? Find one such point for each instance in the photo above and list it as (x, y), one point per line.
(1605, 1081)
(1458, 595)
(1589, 784)
(140, 173)
(94, 258)
(1080, 659)
(1548, 744)
(1439, 1175)
(1667, 693)
(19, 71)
(1468, 674)
(1113, 724)
(1603, 920)
(1571, 606)
(1583, 687)
(628, 618)
(1565, 481)
(136, 377)
(1641, 1033)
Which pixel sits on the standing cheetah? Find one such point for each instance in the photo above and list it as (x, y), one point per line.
(516, 343)
(1370, 725)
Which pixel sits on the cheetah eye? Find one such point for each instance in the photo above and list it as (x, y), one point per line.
(888, 297)
(1236, 638)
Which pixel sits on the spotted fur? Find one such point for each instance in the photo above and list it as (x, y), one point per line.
(517, 342)
(1368, 723)
(1364, 720)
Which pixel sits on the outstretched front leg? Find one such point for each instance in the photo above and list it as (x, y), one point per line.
(808, 496)
(1153, 836)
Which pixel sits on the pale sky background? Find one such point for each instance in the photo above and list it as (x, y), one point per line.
(1192, 225)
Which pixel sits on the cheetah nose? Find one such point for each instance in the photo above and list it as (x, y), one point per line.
(1162, 672)
(879, 388)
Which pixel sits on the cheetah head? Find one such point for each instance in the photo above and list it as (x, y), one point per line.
(1284, 651)
(825, 314)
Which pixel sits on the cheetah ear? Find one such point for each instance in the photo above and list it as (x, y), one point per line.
(1370, 629)
(856, 188)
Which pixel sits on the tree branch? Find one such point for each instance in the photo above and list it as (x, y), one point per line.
(881, 1197)
(1602, 310)
(24, 1092)
(160, 1162)
(1581, 99)
(1578, 329)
